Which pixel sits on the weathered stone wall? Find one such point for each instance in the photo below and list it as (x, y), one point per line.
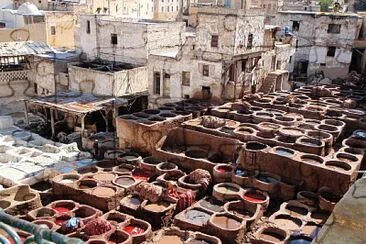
(135, 40)
(108, 83)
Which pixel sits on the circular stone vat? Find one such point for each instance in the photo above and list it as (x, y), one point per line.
(273, 235)
(45, 212)
(300, 239)
(330, 128)
(284, 152)
(308, 198)
(287, 222)
(50, 225)
(166, 166)
(85, 212)
(62, 219)
(87, 170)
(264, 115)
(152, 111)
(320, 135)
(212, 204)
(296, 209)
(268, 126)
(290, 132)
(157, 119)
(158, 207)
(106, 164)
(334, 122)
(119, 236)
(197, 216)
(142, 115)
(196, 153)
(255, 196)
(63, 206)
(4, 204)
(67, 179)
(226, 188)
(20, 196)
(129, 157)
(104, 191)
(310, 158)
(124, 181)
(357, 144)
(255, 146)
(346, 157)
(226, 221)
(104, 177)
(219, 158)
(284, 118)
(268, 178)
(245, 130)
(338, 165)
(168, 115)
(311, 142)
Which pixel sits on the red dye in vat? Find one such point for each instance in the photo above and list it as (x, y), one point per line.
(223, 170)
(140, 175)
(254, 197)
(133, 230)
(62, 209)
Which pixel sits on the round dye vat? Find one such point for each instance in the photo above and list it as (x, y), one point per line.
(296, 211)
(62, 209)
(102, 191)
(242, 213)
(254, 197)
(171, 240)
(212, 205)
(224, 169)
(227, 189)
(361, 134)
(104, 176)
(311, 159)
(284, 152)
(67, 181)
(287, 223)
(301, 240)
(129, 158)
(134, 230)
(226, 222)
(157, 207)
(61, 220)
(197, 216)
(266, 179)
(125, 181)
(140, 175)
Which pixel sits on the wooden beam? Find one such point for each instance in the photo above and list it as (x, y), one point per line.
(26, 112)
(52, 123)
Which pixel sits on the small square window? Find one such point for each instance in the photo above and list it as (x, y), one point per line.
(88, 27)
(250, 41)
(295, 25)
(243, 65)
(322, 64)
(186, 78)
(331, 51)
(114, 39)
(214, 41)
(205, 70)
(334, 28)
(53, 30)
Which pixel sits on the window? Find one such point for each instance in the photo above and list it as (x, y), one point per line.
(297, 43)
(250, 41)
(157, 83)
(206, 92)
(243, 65)
(35, 86)
(322, 64)
(214, 40)
(172, 8)
(162, 9)
(38, 19)
(186, 78)
(114, 39)
(295, 25)
(334, 28)
(205, 70)
(177, 8)
(232, 72)
(331, 51)
(53, 30)
(88, 27)
(290, 60)
(193, 47)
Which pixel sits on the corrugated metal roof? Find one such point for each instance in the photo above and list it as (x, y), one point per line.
(76, 103)
(11, 49)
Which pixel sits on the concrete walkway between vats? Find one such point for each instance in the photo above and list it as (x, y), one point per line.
(347, 224)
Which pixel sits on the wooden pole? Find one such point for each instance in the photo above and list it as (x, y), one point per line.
(52, 123)
(26, 112)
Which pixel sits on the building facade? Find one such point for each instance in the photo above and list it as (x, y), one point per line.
(324, 41)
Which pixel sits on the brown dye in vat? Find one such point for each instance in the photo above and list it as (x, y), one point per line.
(104, 177)
(157, 207)
(198, 241)
(102, 191)
(296, 211)
(242, 213)
(226, 223)
(287, 224)
(227, 189)
(171, 240)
